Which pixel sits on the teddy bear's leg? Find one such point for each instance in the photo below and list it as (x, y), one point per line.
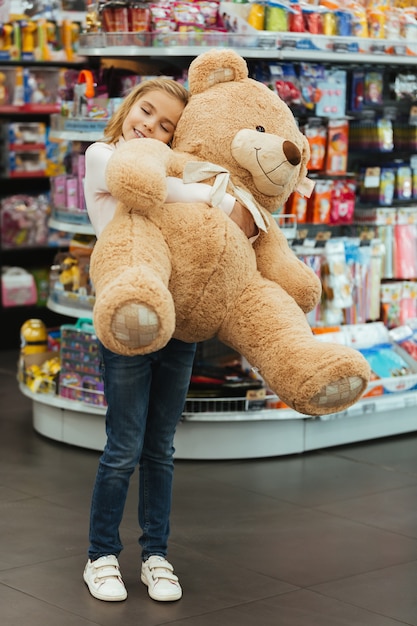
(271, 331)
(130, 268)
(124, 319)
(276, 261)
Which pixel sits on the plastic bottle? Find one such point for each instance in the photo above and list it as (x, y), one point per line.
(33, 337)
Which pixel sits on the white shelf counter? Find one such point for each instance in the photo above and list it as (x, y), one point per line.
(244, 435)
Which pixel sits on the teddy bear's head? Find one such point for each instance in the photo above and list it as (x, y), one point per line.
(238, 123)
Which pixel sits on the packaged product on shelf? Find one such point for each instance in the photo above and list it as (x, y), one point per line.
(405, 251)
(32, 88)
(364, 263)
(319, 203)
(38, 367)
(404, 184)
(33, 337)
(73, 274)
(337, 286)
(408, 301)
(390, 299)
(40, 372)
(296, 205)
(330, 95)
(337, 147)
(27, 149)
(27, 161)
(377, 185)
(373, 87)
(69, 280)
(24, 220)
(18, 287)
(393, 369)
(27, 133)
(57, 154)
(41, 276)
(80, 376)
(343, 195)
(316, 133)
(406, 336)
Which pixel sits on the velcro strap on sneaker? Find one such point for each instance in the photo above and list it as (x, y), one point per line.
(107, 571)
(159, 573)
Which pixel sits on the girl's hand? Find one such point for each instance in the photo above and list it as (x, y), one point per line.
(243, 218)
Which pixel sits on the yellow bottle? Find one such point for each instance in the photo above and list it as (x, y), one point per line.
(33, 337)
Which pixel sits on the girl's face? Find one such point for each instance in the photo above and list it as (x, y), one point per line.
(154, 115)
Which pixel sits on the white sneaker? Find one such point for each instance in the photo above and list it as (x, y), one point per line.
(158, 575)
(104, 580)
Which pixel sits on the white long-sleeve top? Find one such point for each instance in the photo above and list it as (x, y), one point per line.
(101, 205)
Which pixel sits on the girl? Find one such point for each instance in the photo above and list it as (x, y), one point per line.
(145, 394)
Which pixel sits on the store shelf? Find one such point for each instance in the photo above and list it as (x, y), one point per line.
(253, 434)
(70, 311)
(69, 135)
(82, 229)
(254, 44)
(29, 109)
(74, 129)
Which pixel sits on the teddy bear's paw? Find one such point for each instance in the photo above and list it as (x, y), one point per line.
(135, 325)
(339, 394)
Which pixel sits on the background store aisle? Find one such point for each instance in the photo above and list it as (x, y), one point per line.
(318, 539)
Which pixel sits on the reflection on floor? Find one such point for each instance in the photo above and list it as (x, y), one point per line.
(321, 539)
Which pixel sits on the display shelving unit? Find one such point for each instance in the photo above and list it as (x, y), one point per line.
(226, 434)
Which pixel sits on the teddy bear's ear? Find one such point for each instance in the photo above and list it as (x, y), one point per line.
(213, 67)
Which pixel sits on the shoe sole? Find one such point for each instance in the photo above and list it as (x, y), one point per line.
(100, 596)
(159, 599)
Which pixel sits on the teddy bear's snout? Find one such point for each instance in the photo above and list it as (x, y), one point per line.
(291, 152)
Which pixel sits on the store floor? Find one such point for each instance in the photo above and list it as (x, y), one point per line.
(320, 539)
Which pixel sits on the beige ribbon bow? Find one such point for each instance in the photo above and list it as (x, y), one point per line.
(195, 172)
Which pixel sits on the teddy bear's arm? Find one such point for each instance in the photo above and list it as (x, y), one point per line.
(136, 174)
(277, 262)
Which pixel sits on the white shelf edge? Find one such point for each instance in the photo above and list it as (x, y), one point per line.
(366, 406)
(69, 311)
(82, 425)
(71, 135)
(59, 402)
(68, 227)
(251, 52)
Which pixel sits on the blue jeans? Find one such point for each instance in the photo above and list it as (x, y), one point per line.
(145, 396)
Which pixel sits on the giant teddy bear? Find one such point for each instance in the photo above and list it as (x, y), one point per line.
(165, 270)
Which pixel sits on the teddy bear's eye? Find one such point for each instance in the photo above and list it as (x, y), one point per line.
(260, 129)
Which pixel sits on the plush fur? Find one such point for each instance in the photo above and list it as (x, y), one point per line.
(187, 271)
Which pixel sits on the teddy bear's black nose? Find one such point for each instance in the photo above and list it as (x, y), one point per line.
(291, 152)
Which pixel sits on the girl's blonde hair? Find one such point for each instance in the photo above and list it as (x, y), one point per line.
(113, 130)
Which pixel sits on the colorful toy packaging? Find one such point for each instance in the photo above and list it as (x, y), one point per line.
(337, 147)
(80, 377)
(24, 220)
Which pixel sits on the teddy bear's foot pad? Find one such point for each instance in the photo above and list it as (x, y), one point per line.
(341, 392)
(135, 325)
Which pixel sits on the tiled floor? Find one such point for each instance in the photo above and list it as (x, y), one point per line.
(322, 539)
